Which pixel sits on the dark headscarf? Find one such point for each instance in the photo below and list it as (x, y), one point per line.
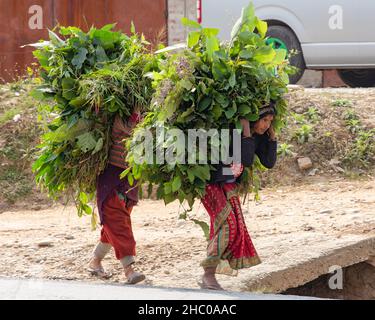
(266, 110)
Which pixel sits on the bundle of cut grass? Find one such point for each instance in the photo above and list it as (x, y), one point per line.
(87, 79)
(208, 85)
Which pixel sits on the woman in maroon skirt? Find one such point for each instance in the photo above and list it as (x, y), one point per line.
(230, 247)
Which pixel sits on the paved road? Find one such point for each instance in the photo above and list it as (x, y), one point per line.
(16, 289)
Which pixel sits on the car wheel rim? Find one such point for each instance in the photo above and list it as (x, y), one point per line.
(277, 43)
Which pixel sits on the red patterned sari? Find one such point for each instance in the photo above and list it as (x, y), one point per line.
(230, 247)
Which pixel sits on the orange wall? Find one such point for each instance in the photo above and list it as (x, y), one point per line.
(148, 16)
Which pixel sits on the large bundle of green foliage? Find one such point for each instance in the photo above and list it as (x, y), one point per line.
(86, 80)
(209, 85)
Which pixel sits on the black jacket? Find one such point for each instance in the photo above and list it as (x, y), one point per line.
(259, 145)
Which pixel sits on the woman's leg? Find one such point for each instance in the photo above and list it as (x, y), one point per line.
(214, 202)
(98, 255)
(118, 231)
(229, 239)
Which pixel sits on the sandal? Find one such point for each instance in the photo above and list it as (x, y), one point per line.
(136, 277)
(99, 272)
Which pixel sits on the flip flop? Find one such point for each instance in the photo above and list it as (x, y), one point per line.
(99, 272)
(136, 277)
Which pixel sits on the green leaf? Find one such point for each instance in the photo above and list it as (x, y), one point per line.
(83, 198)
(210, 32)
(87, 209)
(43, 57)
(190, 23)
(109, 27)
(99, 145)
(247, 18)
(264, 54)
(77, 102)
(217, 111)
(101, 56)
(106, 39)
(246, 54)
(37, 94)
(55, 40)
(176, 184)
(86, 142)
(204, 226)
(232, 80)
(167, 188)
(68, 86)
(212, 45)
(132, 28)
(130, 179)
(204, 103)
(80, 58)
(125, 173)
(94, 221)
(245, 36)
(193, 38)
(280, 56)
(229, 113)
(182, 117)
(261, 27)
(168, 198)
(236, 28)
(202, 172)
(222, 100)
(220, 70)
(186, 84)
(252, 117)
(244, 110)
(66, 31)
(191, 176)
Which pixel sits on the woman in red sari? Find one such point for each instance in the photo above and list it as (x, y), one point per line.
(230, 247)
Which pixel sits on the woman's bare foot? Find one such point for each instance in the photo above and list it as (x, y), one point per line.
(209, 280)
(96, 269)
(95, 263)
(133, 276)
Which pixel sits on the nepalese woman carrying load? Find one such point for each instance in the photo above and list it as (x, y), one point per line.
(230, 247)
(115, 200)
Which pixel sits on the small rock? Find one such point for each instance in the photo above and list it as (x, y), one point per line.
(304, 163)
(17, 118)
(69, 238)
(351, 211)
(146, 224)
(36, 207)
(334, 162)
(307, 228)
(326, 211)
(313, 172)
(167, 272)
(46, 243)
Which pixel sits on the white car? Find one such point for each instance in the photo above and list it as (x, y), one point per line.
(328, 34)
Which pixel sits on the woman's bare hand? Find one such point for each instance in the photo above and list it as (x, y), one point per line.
(246, 127)
(271, 133)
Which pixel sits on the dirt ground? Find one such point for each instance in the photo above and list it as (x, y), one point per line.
(287, 225)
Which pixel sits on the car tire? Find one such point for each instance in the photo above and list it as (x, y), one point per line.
(288, 39)
(358, 77)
